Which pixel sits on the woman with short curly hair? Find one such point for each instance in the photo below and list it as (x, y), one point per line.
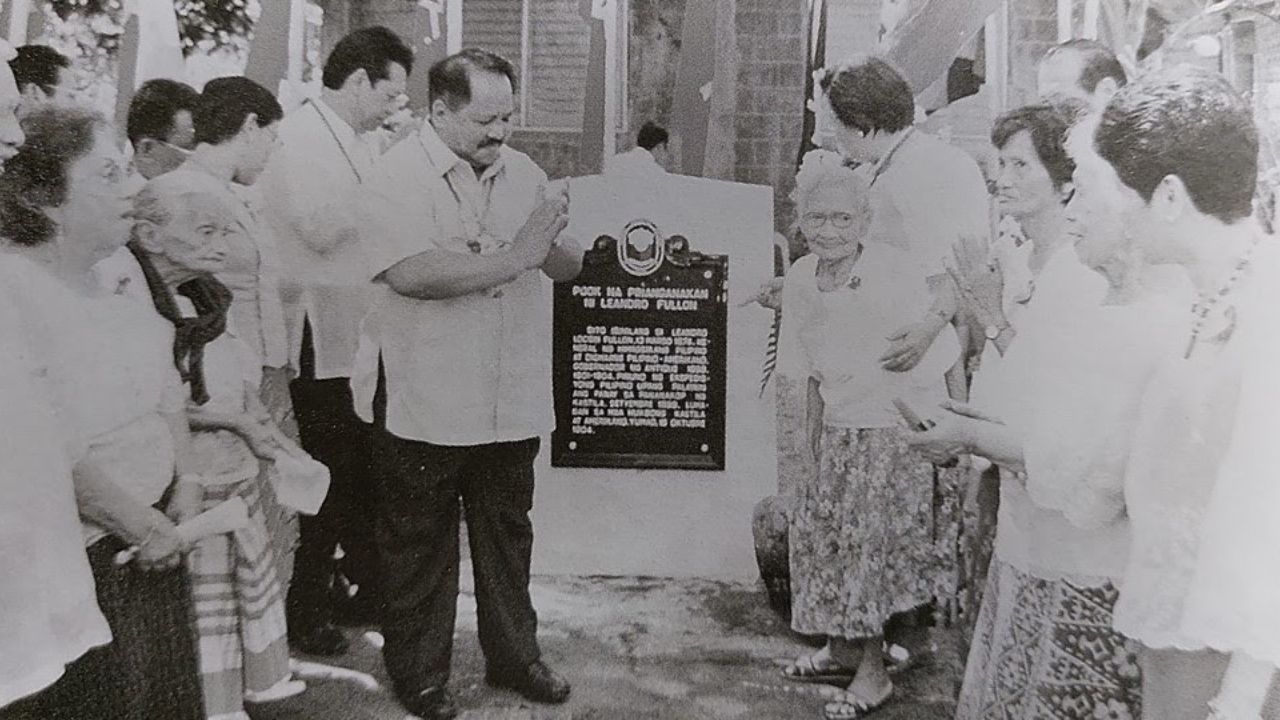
(63, 203)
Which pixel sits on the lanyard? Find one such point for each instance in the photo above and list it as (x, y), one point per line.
(883, 165)
(347, 156)
(472, 216)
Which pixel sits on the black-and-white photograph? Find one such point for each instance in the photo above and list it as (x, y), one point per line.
(896, 359)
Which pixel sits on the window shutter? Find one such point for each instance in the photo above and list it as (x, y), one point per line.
(559, 50)
(494, 25)
(560, 40)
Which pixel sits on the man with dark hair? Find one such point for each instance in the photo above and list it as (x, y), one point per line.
(43, 75)
(1209, 150)
(310, 191)
(376, 51)
(650, 155)
(1084, 69)
(1174, 158)
(454, 370)
(651, 136)
(231, 105)
(161, 129)
(161, 125)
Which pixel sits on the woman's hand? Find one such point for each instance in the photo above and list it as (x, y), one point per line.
(946, 439)
(186, 501)
(163, 548)
(969, 411)
(951, 434)
(980, 281)
(768, 296)
(260, 439)
(908, 345)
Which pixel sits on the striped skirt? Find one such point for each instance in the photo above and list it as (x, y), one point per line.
(239, 608)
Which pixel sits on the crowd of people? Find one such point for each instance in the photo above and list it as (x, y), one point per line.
(1101, 393)
(214, 375)
(284, 334)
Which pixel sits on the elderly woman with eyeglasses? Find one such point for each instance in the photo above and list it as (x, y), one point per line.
(107, 364)
(868, 540)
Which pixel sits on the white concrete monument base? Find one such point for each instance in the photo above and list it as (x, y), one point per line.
(674, 523)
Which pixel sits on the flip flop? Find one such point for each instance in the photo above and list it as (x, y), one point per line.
(897, 663)
(852, 707)
(804, 670)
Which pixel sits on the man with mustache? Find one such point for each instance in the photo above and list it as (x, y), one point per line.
(457, 352)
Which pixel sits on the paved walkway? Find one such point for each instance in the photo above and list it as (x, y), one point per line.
(635, 649)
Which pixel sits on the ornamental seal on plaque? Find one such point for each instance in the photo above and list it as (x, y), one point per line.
(642, 248)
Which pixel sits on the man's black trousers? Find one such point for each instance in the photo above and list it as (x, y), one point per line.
(422, 488)
(333, 434)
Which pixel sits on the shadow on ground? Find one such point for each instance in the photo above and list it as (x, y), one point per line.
(634, 649)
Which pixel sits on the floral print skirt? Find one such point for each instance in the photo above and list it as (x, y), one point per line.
(874, 534)
(1045, 650)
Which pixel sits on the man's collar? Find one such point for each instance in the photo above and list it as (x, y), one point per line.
(445, 160)
(882, 164)
(341, 128)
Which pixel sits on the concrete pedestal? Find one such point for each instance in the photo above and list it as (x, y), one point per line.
(669, 523)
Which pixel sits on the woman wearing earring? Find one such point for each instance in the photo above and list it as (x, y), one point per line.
(867, 539)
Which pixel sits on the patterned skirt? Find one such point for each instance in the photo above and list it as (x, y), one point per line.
(874, 534)
(1045, 650)
(148, 671)
(239, 608)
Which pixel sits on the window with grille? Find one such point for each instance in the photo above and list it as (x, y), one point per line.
(549, 42)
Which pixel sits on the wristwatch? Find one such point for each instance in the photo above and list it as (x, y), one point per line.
(993, 331)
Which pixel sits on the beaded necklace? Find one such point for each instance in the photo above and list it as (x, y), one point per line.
(1200, 310)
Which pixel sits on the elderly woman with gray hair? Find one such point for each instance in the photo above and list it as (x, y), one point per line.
(872, 535)
(184, 227)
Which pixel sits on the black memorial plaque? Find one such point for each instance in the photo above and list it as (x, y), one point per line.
(639, 356)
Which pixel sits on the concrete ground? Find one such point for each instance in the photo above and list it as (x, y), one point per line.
(634, 649)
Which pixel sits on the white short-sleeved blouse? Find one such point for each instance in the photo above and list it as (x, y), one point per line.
(1070, 385)
(115, 385)
(837, 337)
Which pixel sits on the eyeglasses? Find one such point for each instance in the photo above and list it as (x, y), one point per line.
(840, 220)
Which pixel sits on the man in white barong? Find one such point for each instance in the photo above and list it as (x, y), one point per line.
(310, 192)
